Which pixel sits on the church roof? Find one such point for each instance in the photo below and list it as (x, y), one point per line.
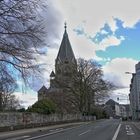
(42, 89)
(52, 74)
(65, 51)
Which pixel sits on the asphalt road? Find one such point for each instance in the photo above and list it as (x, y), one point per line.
(100, 130)
(128, 131)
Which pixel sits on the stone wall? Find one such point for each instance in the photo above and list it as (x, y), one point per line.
(15, 120)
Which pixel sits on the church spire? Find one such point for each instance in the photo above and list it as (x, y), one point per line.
(65, 51)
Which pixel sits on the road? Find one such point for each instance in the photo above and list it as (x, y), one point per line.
(100, 130)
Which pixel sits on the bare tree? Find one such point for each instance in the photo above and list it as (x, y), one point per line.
(21, 35)
(7, 87)
(89, 86)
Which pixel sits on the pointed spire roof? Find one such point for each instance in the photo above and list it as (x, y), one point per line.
(52, 74)
(65, 51)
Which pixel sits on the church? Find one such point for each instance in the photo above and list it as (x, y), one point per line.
(62, 78)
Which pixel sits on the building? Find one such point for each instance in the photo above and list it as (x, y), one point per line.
(62, 78)
(123, 112)
(134, 95)
(116, 110)
(112, 109)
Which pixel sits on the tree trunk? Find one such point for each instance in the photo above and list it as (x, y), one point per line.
(0, 101)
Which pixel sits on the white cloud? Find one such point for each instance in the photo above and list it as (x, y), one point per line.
(116, 68)
(26, 99)
(97, 12)
(104, 32)
(109, 41)
(121, 95)
(92, 15)
(82, 47)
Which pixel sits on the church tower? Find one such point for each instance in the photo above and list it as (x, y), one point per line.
(65, 70)
(65, 63)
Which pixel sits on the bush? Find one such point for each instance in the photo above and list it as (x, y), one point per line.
(45, 106)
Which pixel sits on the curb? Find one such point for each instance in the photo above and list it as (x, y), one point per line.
(23, 131)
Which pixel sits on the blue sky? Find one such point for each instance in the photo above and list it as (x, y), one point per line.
(129, 47)
(106, 31)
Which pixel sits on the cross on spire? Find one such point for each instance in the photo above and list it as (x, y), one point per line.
(65, 25)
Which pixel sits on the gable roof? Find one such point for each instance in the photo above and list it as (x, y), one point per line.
(111, 102)
(42, 89)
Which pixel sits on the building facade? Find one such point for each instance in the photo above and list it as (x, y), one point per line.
(134, 95)
(112, 109)
(62, 78)
(116, 110)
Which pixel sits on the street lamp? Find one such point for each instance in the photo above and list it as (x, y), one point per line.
(131, 73)
(128, 72)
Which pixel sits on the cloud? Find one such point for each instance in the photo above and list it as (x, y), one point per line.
(115, 71)
(87, 18)
(121, 95)
(109, 41)
(26, 99)
(97, 12)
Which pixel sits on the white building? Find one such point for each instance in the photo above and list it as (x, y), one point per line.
(135, 93)
(116, 110)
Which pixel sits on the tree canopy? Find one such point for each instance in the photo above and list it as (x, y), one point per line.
(45, 106)
(21, 35)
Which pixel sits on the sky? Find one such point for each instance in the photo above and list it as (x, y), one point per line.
(106, 31)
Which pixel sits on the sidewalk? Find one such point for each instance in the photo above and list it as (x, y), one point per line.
(137, 124)
(22, 131)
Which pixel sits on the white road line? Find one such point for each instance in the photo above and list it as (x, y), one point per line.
(116, 133)
(84, 132)
(130, 133)
(51, 133)
(129, 130)
(18, 138)
(36, 137)
(55, 129)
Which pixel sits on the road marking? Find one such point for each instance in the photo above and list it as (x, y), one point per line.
(84, 132)
(18, 138)
(36, 137)
(129, 130)
(117, 132)
(54, 132)
(55, 129)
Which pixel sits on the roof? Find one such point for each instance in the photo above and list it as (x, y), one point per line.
(65, 51)
(52, 74)
(111, 102)
(42, 89)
